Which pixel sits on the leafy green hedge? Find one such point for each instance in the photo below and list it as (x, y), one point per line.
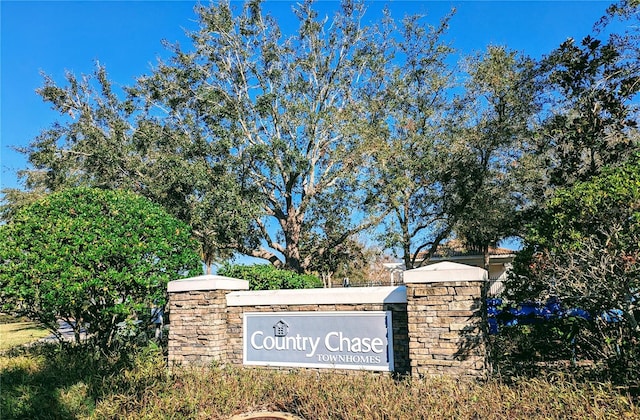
(267, 277)
(101, 256)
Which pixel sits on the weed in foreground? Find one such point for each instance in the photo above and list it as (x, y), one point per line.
(219, 393)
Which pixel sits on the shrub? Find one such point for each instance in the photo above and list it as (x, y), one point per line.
(94, 258)
(267, 277)
(583, 250)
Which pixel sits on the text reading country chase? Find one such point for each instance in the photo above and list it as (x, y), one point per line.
(344, 340)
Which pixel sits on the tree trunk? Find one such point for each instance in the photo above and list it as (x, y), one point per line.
(292, 229)
(406, 243)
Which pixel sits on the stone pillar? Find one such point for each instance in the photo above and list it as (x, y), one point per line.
(198, 319)
(446, 336)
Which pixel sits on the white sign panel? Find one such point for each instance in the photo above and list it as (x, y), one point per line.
(341, 340)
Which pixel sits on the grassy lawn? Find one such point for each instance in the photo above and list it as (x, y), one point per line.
(17, 333)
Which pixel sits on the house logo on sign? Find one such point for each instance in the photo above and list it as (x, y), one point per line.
(281, 329)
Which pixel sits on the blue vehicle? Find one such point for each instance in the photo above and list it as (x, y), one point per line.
(528, 313)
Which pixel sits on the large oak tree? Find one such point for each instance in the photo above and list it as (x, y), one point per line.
(289, 109)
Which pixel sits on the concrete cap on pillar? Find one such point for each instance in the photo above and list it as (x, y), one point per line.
(445, 271)
(207, 282)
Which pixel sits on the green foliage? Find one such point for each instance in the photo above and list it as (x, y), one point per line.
(574, 214)
(94, 258)
(410, 107)
(248, 133)
(268, 277)
(349, 260)
(593, 118)
(448, 165)
(502, 96)
(287, 106)
(581, 222)
(104, 141)
(584, 250)
(601, 215)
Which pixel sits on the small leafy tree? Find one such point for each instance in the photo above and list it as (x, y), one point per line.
(584, 250)
(93, 258)
(501, 98)
(268, 277)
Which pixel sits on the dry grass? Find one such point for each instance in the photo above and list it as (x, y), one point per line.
(19, 333)
(221, 393)
(53, 382)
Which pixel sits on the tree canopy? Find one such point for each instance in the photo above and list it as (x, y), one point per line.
(263, 141)
(580, 221)
(286, 144)
(93, 258)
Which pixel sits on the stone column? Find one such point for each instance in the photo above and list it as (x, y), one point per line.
(198, 319)
(446, 336)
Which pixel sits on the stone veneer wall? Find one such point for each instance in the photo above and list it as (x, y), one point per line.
(198, 319)
(445, 335)
(398, 320)
(436, 317)
(198, 335)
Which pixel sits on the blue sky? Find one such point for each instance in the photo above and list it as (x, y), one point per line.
(125, 36)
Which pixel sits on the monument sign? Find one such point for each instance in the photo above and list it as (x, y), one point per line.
(342, 340)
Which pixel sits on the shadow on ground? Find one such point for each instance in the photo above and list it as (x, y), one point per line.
(53, 381)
